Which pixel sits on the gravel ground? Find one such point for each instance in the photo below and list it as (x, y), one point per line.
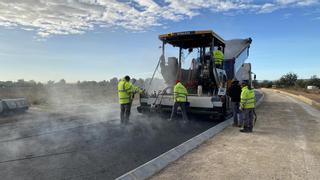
(314, 96)
(284, 145)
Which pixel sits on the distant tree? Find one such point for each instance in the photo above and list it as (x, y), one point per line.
(31, 83)
(114, 82)
(301, 83)
(9, 84)
(265, 84)
(39, 84)
(103, 83)
(140, 83)
(50, 83)
(92, 83)
(2, 84)
(20, 83)
(314, 81)
(62, 82)
(289, 79)
(277, 83)
(86, 84)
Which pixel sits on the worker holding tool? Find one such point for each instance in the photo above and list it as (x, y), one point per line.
(180, 94)
(247, 105)
(218, 57)
(235, 92)
(126, 91)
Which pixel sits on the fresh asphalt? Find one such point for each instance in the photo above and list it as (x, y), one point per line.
(43, 145)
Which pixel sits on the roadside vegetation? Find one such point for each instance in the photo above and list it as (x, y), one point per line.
(290, 82)
(60, 92)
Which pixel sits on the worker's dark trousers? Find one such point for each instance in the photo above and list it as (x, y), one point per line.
(125, 113)
(183, 106)
(248, 118)
(236, 111)
(219, 66)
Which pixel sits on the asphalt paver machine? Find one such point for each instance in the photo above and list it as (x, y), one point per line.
(207, 85)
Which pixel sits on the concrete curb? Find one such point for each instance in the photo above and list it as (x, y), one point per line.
(299, 97)
(155, 165)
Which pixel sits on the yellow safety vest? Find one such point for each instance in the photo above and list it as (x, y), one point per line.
(125, 91)
(180, 93)
(248, 98)
(218, 57)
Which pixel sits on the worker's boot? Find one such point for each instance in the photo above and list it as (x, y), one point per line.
(246, 130)
(243, 130)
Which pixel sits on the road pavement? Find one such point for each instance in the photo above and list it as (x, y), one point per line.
(47, 145)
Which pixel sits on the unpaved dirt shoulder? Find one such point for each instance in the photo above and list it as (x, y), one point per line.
(284, 145)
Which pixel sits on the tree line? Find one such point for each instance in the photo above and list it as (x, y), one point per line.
(290, 80)
(286, 81)
(62, 91)
(112, 83)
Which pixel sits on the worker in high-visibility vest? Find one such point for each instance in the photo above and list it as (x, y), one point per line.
(218, 58)
(126, 90)
(247, 105)
(180, 94)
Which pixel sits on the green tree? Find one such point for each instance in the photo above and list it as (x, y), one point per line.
(314, 81)
(289, 79)
(277, 83)
(266, 84)
(301, 83)
(62, 82)
(50, 83)
(20, 83)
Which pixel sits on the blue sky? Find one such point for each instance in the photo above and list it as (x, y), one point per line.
(97, 40)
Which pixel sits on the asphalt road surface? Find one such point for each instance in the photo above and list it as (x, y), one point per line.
(86, 142)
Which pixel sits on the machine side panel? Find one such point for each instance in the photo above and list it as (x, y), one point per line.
(241, 59)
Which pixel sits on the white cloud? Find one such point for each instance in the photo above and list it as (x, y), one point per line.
(49, 17)
(298, 2)
(268, 7)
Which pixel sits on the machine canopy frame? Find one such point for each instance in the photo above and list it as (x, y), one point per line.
(192, 39)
